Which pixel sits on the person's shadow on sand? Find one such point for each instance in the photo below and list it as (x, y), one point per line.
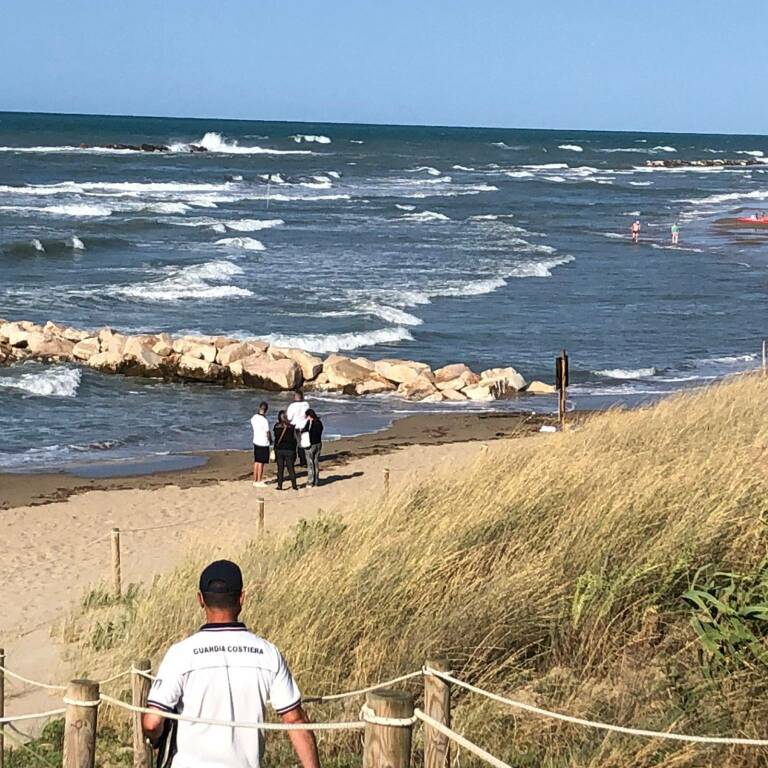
(328, 479)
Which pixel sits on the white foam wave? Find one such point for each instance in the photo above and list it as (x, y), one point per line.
(663, 149)
(299, 137)
(751, 152)
(253, 225)
(242, 243)
(331, 342)
(356, 141)
(641, 183)
(38, 246)
(473, 288)
(626, 373)
(541, 268)
(757, 194)
(198, 282)
(54, 382)
(462, 168)
(77, 243)
(214, 142)
(425, 216)
(571, 147)
(405, 207)
(425, 169)
(391, 314)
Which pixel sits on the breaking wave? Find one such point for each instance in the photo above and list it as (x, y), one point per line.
(425, 216)
(54, 382)
(337, 342)
(299, 137)
(571, 147)
(242, 243)
(252, 225)
(626, 373)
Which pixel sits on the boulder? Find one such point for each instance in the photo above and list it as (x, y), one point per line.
(436, 397)
(197, 369)
(342, 372)
(540, 388)
(453, 395)
(364, 362)
(375, 384)
(164, 345)
(142, 359)
(14, 334)
(262, 373)
(191, 346)
(401, 371)
(73, 334)
(465, 379)
(479, 393)
(237, 351)
(107, 362)
(310, 364)
(451, 372)
(54, 329)
(112, 342)
(322, 384)
(417, 389)
(46, 345)
(86, 348)
(502, 381)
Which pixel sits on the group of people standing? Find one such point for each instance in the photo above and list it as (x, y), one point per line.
(635, 232)
(296, 435)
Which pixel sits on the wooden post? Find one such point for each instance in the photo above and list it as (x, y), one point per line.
(80, 725)
(116, 576)
(386, 481)
(561, 379)
(2, 708)
(388, 746)
(765, 357)
(260, 512)
(437, 704)
(142, 754)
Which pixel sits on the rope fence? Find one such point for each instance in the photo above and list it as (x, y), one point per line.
(384, 708)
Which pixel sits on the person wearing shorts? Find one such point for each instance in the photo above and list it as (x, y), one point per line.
(636, 231)
(675, 234)
(262, 440)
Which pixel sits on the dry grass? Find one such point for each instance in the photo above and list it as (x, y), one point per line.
(553, 572)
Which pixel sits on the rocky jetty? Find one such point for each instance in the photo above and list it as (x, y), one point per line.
(254, 363)
(141, 147)
(716, 162)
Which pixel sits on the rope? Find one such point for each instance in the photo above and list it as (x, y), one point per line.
(359, 691)
(35, 716)
(76, 703)
(339, 726)
(118, 676)
(460, 740)
(597, 724)
(369, 716)
(36, 683)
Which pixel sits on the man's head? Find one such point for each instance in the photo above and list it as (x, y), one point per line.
(221, 591)
(298, 396)
(263, 407)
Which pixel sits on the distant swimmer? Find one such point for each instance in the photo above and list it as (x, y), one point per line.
(636, 231)
(675, 234)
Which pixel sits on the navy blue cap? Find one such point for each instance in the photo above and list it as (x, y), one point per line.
(226, 573)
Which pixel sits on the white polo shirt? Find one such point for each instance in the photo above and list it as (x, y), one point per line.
(297, 413)
(260, 427)
(223, 672)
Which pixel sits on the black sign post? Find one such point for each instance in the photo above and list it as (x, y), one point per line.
(561, 383)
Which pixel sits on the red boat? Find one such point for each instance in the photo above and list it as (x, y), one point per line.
(760, 221)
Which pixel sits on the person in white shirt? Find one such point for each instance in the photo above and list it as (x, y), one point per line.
(297, 415)
(224, 672)
(262, 440)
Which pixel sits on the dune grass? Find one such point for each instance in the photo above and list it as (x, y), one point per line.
(610, 572)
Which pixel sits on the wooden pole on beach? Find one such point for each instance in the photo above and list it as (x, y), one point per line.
(142, 753)
(437, 704)
(117, 584)
(260, 514)
(2, 707)
(386, 481)
(765, 357)
(80, 724)
(388, 746)
(561, 379)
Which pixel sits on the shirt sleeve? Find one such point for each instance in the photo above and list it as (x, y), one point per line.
(284, 694)
(168, 687)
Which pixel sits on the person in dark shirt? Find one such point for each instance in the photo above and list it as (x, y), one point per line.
(313, 428)
(285, 450)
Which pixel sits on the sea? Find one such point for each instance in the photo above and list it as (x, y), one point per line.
(486, 246)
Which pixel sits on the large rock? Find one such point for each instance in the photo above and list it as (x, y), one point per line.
(479, 393)
(190, 346)
(401, 371)
(197, 369)
(451, 372)
(540, 388)
(14, 334)
(239, 350)
(375, 384)
(342, 372)
(419, 388)
(73, 334)
(322, 384)
(111, 342)
(46, 345)
(453, 395)
(310, 364)
(108, 362)
(262, 373)
(142, 359)
(502, 381)
(164, 345)
(86, 348)
(464, 379)
(364, 362)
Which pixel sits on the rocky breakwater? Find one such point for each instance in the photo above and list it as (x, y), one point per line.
(714, 162)
(254, 363)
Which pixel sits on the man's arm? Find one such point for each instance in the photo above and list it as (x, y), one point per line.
(152, 725)
(304, 743)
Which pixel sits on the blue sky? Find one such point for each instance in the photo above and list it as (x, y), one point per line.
(665, 65)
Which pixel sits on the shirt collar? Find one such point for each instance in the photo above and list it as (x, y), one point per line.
(237, 625)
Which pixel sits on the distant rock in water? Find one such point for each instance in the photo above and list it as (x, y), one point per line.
(717, 162)
(141, 147)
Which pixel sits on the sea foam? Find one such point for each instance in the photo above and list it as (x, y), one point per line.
(335, 342)
(54, 382)
(242, 243)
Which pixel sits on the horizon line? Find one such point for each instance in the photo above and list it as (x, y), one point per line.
(374, 125)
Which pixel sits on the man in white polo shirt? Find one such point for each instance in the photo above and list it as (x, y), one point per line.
(297, 415)
(224, 672)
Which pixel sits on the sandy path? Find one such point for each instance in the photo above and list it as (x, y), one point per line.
(51, 553)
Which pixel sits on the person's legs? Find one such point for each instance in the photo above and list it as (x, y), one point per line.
(280, 457)
(258, 472)
(291, 470)
(313, 464)
(301, 455)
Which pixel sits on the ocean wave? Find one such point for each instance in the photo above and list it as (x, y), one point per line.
(503, 145)
(405, 207)
(571, 147)
(663, 149)
(472, 288)
(542, 268)
(337, 342)
(756, 194)
(53, 382)
(199, 282)
(299, 137)
(425, 216)
(76, 243)
(626, 373)
(37, 245)
(74, 210)
(252, 225)
(424, 169)
(391, 314)
(242, 243)
(462, 168)
(641, 183)
(214, 142)
(751, 152)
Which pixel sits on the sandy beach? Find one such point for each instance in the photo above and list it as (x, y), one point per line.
(56, 527)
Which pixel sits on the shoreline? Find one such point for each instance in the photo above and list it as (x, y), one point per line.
(32, 488)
